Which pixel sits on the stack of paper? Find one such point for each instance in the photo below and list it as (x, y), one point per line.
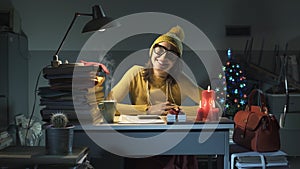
(71, 87)
(5, 139)
(272, 159)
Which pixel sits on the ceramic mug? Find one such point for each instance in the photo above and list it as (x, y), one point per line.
(108, 110)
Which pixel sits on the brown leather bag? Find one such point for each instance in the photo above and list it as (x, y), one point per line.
(255, 129)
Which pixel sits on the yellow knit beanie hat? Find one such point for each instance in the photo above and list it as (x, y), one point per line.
(175, 37)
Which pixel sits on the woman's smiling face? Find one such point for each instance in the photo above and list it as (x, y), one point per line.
(164, 56)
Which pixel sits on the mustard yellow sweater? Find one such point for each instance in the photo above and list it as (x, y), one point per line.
(142, 94)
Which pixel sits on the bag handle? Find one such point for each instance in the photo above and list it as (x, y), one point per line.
(261, 98)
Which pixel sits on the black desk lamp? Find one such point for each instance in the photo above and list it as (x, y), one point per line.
(99, 22)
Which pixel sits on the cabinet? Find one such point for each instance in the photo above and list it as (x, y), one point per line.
(13, 77)
(289, 134)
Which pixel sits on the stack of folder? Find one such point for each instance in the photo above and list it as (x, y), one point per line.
(277, 159)
(73, 89)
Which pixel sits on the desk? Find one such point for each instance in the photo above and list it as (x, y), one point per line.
(112, 137)
(33, 156)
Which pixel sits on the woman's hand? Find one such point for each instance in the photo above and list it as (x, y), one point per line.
(160, 108)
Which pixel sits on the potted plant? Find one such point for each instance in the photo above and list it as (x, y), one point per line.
(59, 135)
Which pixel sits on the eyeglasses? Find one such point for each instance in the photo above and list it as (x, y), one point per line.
(160, 50)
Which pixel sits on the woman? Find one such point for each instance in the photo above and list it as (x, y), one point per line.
(156, 88)
(161, 84)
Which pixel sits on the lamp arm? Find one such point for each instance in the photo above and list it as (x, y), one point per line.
(55, 57)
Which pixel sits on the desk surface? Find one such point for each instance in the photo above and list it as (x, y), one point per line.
(224, 123)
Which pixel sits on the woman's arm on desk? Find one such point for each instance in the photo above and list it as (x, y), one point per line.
(142, 109)
(131, 109)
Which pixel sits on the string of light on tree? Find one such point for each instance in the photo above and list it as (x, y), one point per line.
(235, 89)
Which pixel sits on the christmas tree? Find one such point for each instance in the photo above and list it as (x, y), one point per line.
(236, 96)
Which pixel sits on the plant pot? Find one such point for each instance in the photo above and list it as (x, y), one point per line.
(59, 141)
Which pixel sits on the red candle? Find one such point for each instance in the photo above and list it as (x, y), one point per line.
(199, 114)
(207, 99)
(213, 114)
(207, 110)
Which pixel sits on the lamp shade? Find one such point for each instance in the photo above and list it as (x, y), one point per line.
(99, 21)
